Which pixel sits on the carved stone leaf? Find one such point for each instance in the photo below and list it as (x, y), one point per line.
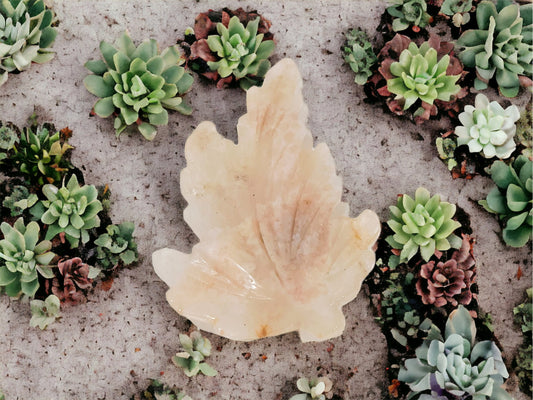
(278, 251)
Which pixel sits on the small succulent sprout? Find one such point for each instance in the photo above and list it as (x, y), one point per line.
(117, 246)
(524, 132)
(523, 313)
(71, 209)
(422, 224)
(9, 136)
(242, 53)
(73, 279)
(420, 75)
(138, 84)
(19, 200)
(502, 46)
(41, 155)
(359, 55)
(488, 128)
(408, 13)
(159, 391)
(511, 199)
(197, 348)
(448, 282)
(314, 388)
(23, 257)
(446, 148)
(26, 35)
(456, 366)
(43, 313)
(459, 10)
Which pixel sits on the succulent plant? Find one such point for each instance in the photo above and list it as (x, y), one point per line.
(488, 128)
(420, 75)
(43, 313)
(22, 257)
(429, 83)
(71, 209)
(524, 367)
(19, 200)
(241, 52)
(422, 224)
(448, 282)
(446, 148)
(523, 313)
(314, 388)
(191, 360)
(41, 155)
(459, 10)
(524, 132)
(73, 279)
(359, 55)
(502, 46)
(138, 84)
(511, 199)
(159, 391)
(8, 137)
(25, 35)
(456, 366)
(408, 13)
(117, 246)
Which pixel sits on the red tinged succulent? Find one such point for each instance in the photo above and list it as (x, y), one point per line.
(450, 281)
(74, 279)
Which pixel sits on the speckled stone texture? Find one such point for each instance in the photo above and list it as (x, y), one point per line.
(109, 347)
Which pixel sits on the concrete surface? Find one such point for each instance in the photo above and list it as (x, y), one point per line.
(109, 347)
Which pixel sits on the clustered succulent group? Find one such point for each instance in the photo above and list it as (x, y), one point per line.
(359, 55)
(26, 34)
(51, 223)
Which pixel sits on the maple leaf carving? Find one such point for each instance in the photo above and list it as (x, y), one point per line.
(278, 251)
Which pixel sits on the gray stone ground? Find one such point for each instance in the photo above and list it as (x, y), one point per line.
(109, 347)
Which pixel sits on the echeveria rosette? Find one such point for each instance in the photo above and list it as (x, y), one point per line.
(116, 246)
(488, 128)
(44, 312)
(196, 349)
(22, 257)
(459, 10)
(408, 13)
(422, 224)
(502, 46)
(420, 75)
(71, 209)
(314, 389)
(241, 52)
(359, 55)
(138, 84)
(456, 366)
(511, 199)
(25, 35)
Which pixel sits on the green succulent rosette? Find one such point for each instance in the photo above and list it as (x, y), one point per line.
(71, 209)
(420, 75)
(511, 199)
(137, 85)
(359, 55)
(241, 51)
(408, 13)
(116, 246)
(22, 257)
(501, 47)
(25, 35)
(422, 224)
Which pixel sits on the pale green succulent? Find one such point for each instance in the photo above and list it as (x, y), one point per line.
(359, 55)
(511, 199)
(488, 128)
(19, 200)
(502, 46)
(458, 10)
(22, 257)
(456, 366)
(408, 13)
(71, 209)
(197, 348)
(313, 389)
(159, 391)
(422, 224)
(25, 35)
(242, 52)
(117, 246)
(43, 313)
(138, 84)
(420, 75)
(8, 137)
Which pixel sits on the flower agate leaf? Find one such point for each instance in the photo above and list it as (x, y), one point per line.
(278, 251)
